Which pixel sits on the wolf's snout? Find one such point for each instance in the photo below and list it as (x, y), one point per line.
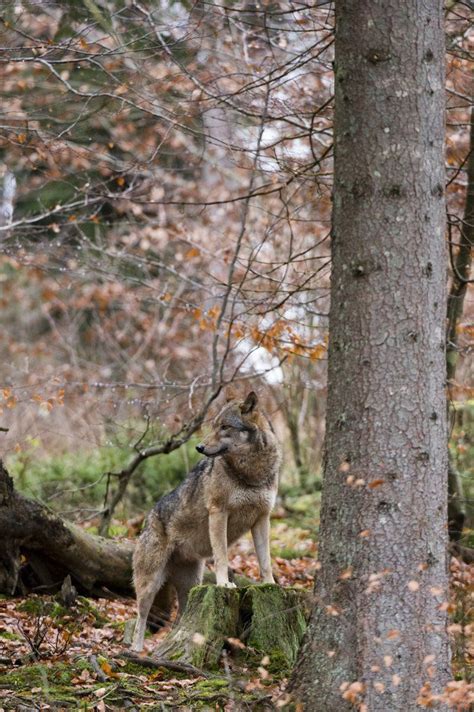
(200, 449)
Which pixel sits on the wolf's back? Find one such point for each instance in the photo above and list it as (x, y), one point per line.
(185, 493)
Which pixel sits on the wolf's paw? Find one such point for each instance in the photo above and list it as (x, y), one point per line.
(227, 584)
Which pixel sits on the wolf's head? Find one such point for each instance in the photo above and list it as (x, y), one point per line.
(238, 428)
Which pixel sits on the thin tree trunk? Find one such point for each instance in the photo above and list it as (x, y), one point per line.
(377, 635)
(461, 267)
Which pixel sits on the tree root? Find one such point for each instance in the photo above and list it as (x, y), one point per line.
(159, 662)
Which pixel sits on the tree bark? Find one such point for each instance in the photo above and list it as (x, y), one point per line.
(378, 631)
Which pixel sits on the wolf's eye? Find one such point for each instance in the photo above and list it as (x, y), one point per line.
(225, 427)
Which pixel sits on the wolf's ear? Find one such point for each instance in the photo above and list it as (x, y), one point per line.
(249, 403)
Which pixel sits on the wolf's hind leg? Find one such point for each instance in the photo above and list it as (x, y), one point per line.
(149, 575)
(184, 576)
(162, 606)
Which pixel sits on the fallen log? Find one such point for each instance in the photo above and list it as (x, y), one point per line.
(55, 548)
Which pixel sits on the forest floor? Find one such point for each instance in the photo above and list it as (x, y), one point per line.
(53, 658)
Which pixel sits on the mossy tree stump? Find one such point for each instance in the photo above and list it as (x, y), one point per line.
(269, 620)
(273, 622)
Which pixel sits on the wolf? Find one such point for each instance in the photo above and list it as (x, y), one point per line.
(231, 491)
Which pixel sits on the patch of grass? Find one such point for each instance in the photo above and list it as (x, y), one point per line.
(303, 511)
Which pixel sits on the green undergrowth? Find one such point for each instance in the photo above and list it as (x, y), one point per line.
(82, 611)
(301, 521)
(289, 553)
(78, 479)
(461, 447)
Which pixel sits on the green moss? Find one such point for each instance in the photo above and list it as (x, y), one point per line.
(9, 636)
(215, 694)
(55, 680)
(134, 669)
(219, 615)
(206, 694)
(273, 622)
(33, 605)
(118, 625)
(85, 606)
(212, 684)
(269, 619)
(211, 616)
(34, 675)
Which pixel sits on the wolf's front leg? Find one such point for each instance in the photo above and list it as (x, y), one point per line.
(218, 535)
(261, 539)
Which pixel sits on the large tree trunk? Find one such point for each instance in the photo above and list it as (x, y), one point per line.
(378, 632)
